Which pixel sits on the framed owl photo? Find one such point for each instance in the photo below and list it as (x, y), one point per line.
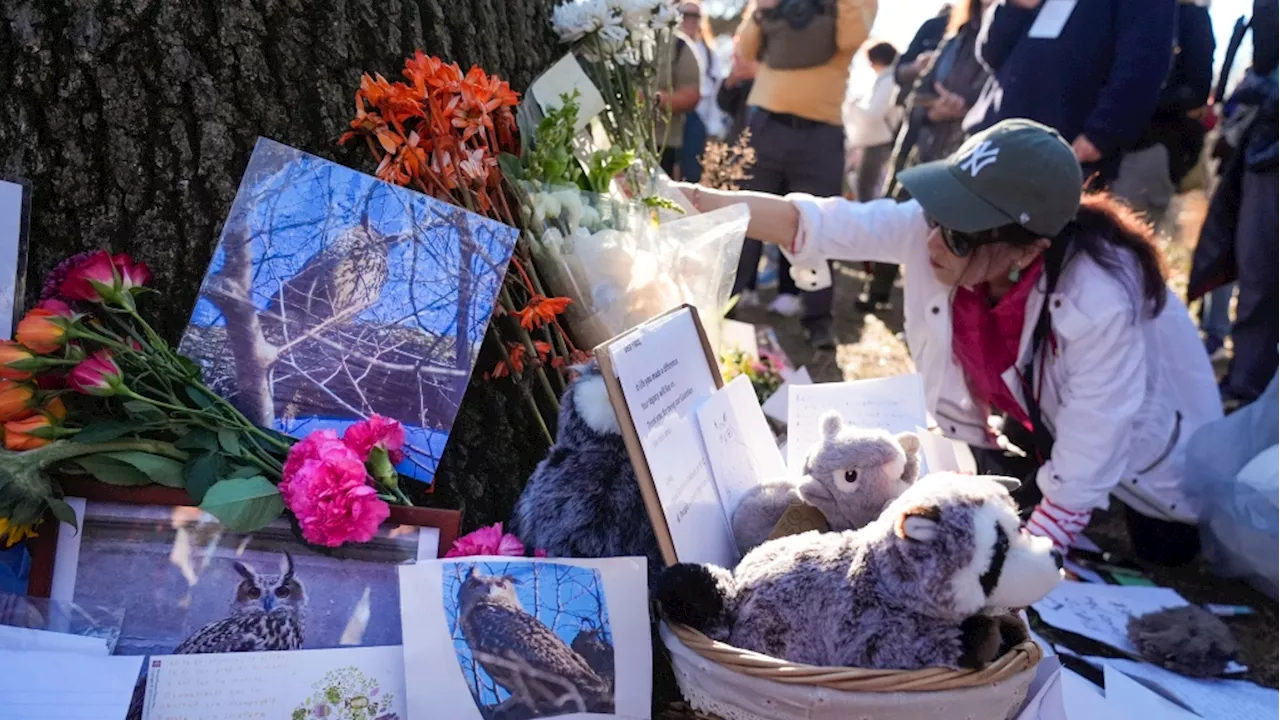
(333, 295)
(527, 638)
(189, 585)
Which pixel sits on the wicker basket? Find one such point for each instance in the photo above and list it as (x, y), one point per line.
(738, 684)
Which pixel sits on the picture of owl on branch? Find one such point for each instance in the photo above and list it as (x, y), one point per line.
(533, 639)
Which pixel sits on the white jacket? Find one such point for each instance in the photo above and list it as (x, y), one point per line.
(1120, 401)
(873, 120)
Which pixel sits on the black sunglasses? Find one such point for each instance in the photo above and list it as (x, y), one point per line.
(960, 244)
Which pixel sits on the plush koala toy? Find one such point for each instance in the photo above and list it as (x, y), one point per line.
(583, 499)
(919, 587)
(850, 475)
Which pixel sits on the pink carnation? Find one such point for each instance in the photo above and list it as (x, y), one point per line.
(326, 487)
(377, 431)
(489, 541)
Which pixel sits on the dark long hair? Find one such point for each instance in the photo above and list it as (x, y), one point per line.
(1106, 230)
(962, 13)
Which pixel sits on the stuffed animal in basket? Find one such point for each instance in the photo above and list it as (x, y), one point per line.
(921, 586)
(850, 475)
(583, 499)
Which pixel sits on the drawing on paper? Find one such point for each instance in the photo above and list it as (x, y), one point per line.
(533, 639)
(346, 694)
(332, 296)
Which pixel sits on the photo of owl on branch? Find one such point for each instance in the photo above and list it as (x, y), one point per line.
(533, 639)
(332, 296)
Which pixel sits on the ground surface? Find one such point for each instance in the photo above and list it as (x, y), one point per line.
(870, 345)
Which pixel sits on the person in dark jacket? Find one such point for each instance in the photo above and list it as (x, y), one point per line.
(1092, 70)
(913, 62)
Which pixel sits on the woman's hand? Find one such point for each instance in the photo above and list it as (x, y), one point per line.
(773, 219)
(947, 106)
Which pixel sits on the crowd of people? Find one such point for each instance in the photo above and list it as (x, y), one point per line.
(1013, 160)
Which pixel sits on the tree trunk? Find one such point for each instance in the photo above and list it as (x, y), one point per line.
(134, 120)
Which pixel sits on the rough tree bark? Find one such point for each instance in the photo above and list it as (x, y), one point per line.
(134, 120)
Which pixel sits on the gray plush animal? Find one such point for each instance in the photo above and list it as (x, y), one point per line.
(583, 500)
(921, 586)
(1188, 640)
(850, 475)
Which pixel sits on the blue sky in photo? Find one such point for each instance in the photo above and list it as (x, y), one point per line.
(564, 596)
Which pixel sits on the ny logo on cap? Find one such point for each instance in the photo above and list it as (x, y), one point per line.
(982, 156)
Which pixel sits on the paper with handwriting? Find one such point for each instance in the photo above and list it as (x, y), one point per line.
(1102, 612)
(564, 78)
(740, 448)
(776, 405)
(1212, 698)
(252, 685)
(895, 404)
(38, 685)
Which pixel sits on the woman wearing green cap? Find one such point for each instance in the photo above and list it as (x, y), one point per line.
(1025, 299)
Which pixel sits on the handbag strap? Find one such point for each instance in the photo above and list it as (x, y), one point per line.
(1041, 437)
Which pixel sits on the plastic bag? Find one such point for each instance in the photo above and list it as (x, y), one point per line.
(1232, 470)
(62, 617)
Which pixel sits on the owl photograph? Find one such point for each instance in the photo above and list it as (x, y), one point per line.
(533, 640)
(188, 585)
(332, 296)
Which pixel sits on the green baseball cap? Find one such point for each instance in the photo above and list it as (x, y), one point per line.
(1014, 172)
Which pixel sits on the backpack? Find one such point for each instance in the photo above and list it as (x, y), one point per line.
(797, 34)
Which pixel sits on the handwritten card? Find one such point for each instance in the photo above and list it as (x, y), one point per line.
(895, 404)
(508, 637)
(1102, 612)
(320, 683)
(67, 686)
(562, 79)
(740, 448)
(665, 375)
(1208, 697)
(776, 405)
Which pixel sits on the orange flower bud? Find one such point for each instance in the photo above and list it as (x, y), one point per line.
(55, 409)
(16, 400)
(17, 433)
(42, 330)
(12, 352)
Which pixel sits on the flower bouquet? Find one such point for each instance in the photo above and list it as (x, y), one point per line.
(765, 372)
(89, 388)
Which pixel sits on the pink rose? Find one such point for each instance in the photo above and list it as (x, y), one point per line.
(325, 485)
(377, 431)
(488, 541)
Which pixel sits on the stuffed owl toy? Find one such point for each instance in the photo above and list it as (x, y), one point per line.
(583, 500)
(921, 586)
(849, 475)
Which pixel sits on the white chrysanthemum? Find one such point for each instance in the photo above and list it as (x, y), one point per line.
(628, 55)
(571, 203)
(665, 15)
(574, 20)
(590, 220)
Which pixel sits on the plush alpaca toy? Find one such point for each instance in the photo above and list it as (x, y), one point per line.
(583, 499)
(919, 587)
(850, 475)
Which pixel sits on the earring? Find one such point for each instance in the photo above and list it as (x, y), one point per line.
(1015, 274)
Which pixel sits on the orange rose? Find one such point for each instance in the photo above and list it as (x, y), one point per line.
(42, 330)
(16, 400)
(55, 409)
(17, 433)
(12, 352)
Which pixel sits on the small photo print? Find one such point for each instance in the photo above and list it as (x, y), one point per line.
(533, 640)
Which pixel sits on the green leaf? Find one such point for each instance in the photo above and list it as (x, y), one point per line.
(198, 439)
(63, 512)
(230, 441)
(243, 505)
(243, 471)
(162, 470)
(189, 367)
(200, 473)
(104, 430)
(199, 397)
(144, 411)
(112, 472)
(510, 166)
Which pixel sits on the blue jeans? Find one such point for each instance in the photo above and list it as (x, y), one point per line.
(1215, 316)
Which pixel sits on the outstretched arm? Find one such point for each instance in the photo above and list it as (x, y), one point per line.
(774, 219)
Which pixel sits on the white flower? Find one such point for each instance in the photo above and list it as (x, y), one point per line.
(590, 219)
(552, 238)
(574, 20)
(571, 202)
(665, 15)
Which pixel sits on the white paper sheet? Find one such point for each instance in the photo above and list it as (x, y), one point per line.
(1102, 612)
(1082, 700)
(664, 376)
(1131, 699)
(740, 448)
(605, 597)
(1053, 16)
(895, 404)
(275, 684)
(27, 639)
(776, 405)
(735, 335)
(1212, 699)
(66, 686)
(563, 78)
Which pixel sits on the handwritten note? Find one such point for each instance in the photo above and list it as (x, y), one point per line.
(665, 376)
(894, 403)
(740, 448)
(1102, 612)
(776, 405)
(262, 685)
(67, 686)
(562, 79)
(1209, 698)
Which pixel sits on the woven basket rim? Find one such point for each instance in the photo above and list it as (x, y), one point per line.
(1022, 657)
